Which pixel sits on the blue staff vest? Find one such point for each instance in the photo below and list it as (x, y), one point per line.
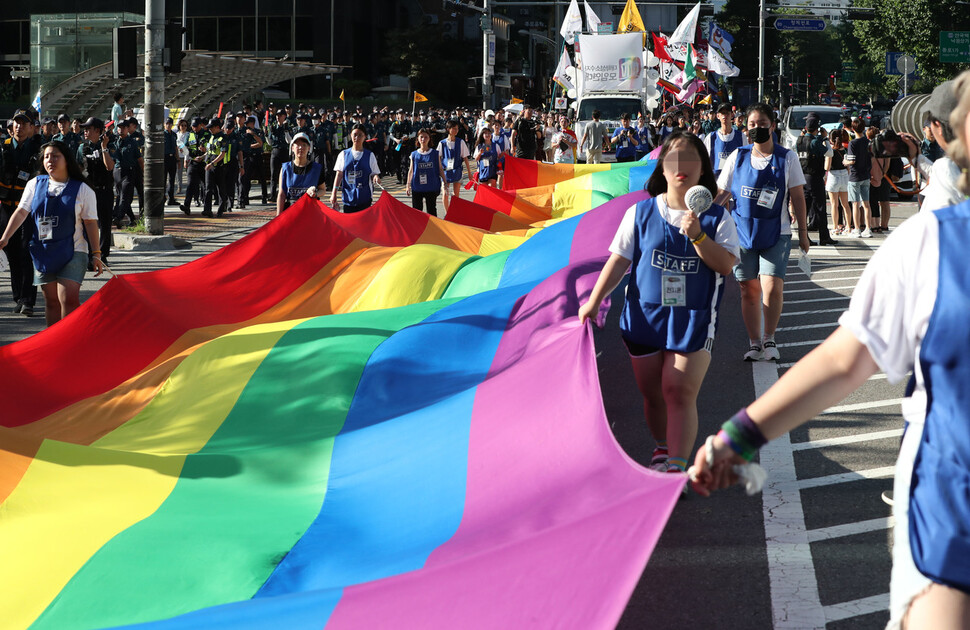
(451, 175)
(659, 246)
(720, 150)
(491, 154)
(294, 185)
(428, 166)
(758, 227)
(939, 509)
(51, 255)
(625, 147)
(359, 170)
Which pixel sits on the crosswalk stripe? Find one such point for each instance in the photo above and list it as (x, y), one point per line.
(846, 439)
(850, 529)
(857, 607)
(873, 404)
(853, 475)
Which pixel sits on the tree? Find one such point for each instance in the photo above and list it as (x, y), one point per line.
(433, 62)
(912, 27)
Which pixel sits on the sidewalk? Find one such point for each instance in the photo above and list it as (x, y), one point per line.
(203, 235)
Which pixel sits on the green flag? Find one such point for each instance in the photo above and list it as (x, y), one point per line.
(690, 73)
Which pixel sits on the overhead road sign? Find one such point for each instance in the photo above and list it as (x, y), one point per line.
(954, 46)
(800, 23)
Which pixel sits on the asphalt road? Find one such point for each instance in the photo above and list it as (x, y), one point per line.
(810, 552)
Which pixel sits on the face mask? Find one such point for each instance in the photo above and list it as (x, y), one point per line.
(759, 134)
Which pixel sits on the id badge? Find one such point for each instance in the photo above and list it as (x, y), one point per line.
(450, 164)
(626, 143)
(423, 179)
(674, 290)
(767, 197)
(45, 229)
(485, 162)
(23, 176)
(352, 178)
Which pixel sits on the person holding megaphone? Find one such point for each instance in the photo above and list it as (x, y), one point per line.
(680, 247)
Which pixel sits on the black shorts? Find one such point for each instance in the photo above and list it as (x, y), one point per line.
(879, 193)
(638, 349)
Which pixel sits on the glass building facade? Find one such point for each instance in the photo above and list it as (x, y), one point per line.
(63, 44)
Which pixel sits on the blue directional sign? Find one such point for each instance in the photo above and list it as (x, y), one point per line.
(800, 24)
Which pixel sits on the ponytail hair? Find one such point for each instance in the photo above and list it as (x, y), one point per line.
(959, 148)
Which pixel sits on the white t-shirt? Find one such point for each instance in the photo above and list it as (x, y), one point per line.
(793, 177)
(451, 147)
(942, 190)
(85, 207)
(709, 139)
(893, 301)
(339, 166)
(623, 241)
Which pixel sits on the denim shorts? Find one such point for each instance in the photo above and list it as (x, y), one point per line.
(73, 270)
(859, 191)
(764, 262)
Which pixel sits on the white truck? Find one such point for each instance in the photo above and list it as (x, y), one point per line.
(611, 105)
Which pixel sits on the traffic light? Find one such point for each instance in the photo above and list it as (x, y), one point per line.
(124, 57)
(172, 53)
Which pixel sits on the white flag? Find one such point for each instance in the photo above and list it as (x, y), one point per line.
(686, 29)
(560, 76)
(592, 20)
(36, 103)
(573, 22)
(716, 63)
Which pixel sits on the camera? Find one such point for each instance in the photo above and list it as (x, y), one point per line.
(888, 144)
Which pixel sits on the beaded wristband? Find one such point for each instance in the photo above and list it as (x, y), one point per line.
(742, 435)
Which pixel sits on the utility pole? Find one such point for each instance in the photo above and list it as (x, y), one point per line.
(154, 210)
(762, 14)
(488, 45)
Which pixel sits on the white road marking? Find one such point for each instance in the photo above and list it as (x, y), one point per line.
(850, 529)
(874, 404)
(814, 300)
(854, 475)
(857, 607)
(846, 288)
(822, 312)
(795, 602)
(832, 325)
(847, 439)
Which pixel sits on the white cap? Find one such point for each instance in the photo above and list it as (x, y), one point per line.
(488, 113)
(301, 136)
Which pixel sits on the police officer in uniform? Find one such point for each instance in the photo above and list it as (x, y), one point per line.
(399, 131)
(195, 162)
(128, 164)
(18, 162)
(279, 139)
(68, 137)
(321, 144)
(216, 163)
(135, 132)
(94, 156)
(234, 162)
(171, 159)
(811, 150)
(252, 151)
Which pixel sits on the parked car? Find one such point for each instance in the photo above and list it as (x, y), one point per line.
(793, 121)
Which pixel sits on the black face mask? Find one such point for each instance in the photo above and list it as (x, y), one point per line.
(759, 134)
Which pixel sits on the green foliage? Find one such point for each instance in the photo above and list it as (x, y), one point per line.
(434, 62)
(352, 88)
(913, 27)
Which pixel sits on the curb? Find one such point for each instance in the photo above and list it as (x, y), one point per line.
(147, 242)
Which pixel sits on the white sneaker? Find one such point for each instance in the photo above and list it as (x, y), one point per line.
(866, 233)
(771, 351)
(754, 353)
(854, 234)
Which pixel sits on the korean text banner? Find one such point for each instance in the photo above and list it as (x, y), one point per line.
(612, 62)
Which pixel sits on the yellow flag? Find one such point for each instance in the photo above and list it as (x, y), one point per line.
(630, 20)
(516, 100)
(341, 95)
(419, 97)
(705, 101)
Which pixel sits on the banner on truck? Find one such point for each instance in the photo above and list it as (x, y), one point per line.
(612, 62)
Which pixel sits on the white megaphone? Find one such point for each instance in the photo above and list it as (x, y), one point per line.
(698, 199)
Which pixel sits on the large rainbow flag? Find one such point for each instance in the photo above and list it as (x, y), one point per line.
(345, 421)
